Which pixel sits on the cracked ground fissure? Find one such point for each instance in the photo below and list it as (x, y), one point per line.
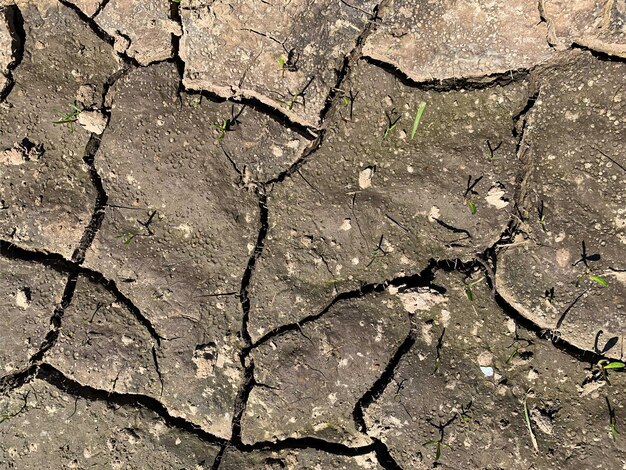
(97, 30)
(39, 369)
(18, 37)
(248, 366)
(455, 83)
(440, 85)
(93, 145)
(332, 99)
(73, 270)
(56, 378)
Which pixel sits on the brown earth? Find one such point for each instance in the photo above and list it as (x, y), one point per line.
(228, 240)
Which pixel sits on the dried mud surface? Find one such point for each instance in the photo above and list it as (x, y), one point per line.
(312, 235)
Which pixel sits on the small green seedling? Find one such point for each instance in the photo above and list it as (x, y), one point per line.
(492, 150)
(290, 103)
(604, 365)
(519, 349)
(222, 128)
(392, 122)
(542, 215)
(515, 353)
(518, 352)
(418, 118)
(472, 206)
(68, 119)
(599, 280)
(592, 277)
(588, 272)
(127, 237)
(288, 62)
(613, 432)
(469, 292)
(225, 125)
(470, 193)
(465, 414)
(438, 444)
(348, 101)
(528, 424)
(300, 96)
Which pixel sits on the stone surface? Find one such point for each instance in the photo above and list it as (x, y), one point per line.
(577, 194)
(488, 428)
(271, 51)
(312, 378)
(48, 199)
(568, 21)
(141, 29)
(305, 459)
(41, 426)
(28, 295)
(326, 222)
(446, 39)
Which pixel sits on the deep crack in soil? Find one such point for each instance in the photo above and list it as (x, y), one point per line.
(484, 263)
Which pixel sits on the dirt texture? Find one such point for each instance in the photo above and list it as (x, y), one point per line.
(396, 201)
(596, 25)
(43, 171)
(286, 54)
(576, 202)
(312, 235)
(141, 30)
(6, 49)
(297, 460)
(30, 294)
(459, 39)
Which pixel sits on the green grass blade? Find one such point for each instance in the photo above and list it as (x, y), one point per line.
(418, 118)
(614, 365)
(600, 280)
(528, 425)
(472, 206)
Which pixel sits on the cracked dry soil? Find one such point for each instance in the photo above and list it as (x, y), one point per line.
(227, 242)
